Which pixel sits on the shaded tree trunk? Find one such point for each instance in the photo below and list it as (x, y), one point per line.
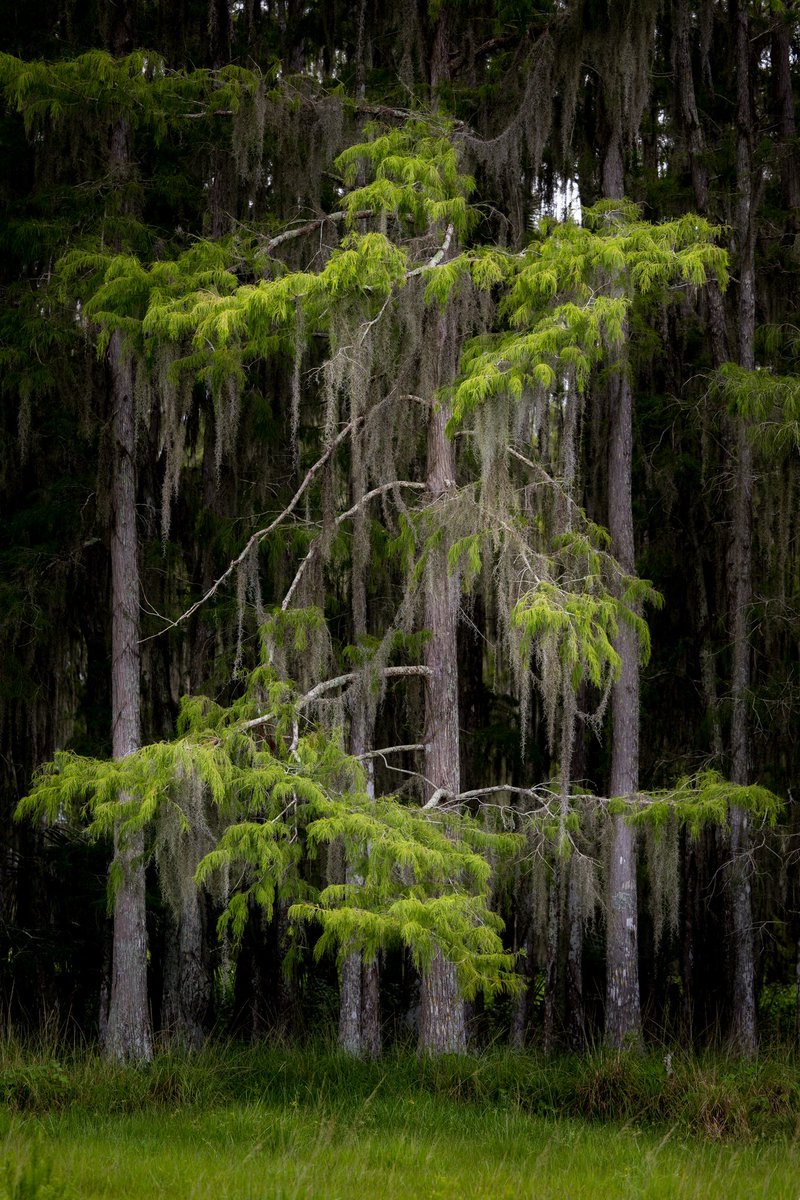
(551, 989)
(781, 51)
(127, 1028)
(359, 1004)
(576, 1014)
(743, 1020)
(442, 1025)
(623, 1015)
(127, 1033)
(693, 133)
(187, 981)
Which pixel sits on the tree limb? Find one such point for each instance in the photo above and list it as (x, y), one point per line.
(329, 685)
(390, 750)
(378, 491)
(260, 534)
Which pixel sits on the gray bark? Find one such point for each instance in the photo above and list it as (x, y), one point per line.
(696, 147)
(127, 1033)
(359, 1003)
(576, 1017)
(784, 119)
(359, 1008)
(743, 1020)
(623, 1017)
(187, 982)
(442, 1025)
(551, 965)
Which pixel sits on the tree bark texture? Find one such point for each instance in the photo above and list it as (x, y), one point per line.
(694, 136)
(743, 1019)
(128, 1033)
(783, 92)
(187, 981)
(576, 1015)
(623, 1016)
(359, 1008)
(623, 1013)
(551, 989)
(359, 1003)
(442, 1025)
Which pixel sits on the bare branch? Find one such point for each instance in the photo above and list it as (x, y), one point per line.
(437, 257)
(329, 685)
(260, 534)
(438, 795)
(390, 750)
(378, 491)
(313, 226)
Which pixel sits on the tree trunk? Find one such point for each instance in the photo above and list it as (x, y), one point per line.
(359, 1008)
(623, 1017)
(551, 966)
(696, 147)
(576, 1016)
(743, 1022)
(359, 1005)
(127, 1034)
(442, 1025)
(187, 982)
(781, 52)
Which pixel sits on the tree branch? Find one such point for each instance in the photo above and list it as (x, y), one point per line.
(312, 226)
(378, 491)
(437, 257)
(329, 685)
(390, 750)
(260, 534)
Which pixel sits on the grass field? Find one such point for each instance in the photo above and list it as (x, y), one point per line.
(246, 1125)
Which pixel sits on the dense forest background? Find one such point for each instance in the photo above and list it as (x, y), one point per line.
(416, 383)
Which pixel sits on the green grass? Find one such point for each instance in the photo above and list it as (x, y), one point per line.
(238, 1124)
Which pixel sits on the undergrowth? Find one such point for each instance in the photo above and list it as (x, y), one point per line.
(710, 1096)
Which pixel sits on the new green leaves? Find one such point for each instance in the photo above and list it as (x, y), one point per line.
(568, 295)
(416, 177)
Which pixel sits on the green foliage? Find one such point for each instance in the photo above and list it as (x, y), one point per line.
(768, 402)
(416, 176)
(579, 627)
(575, 617)
(279, 800)
(32, 1178)
(706, 798)
(419, 887)
(570, 293)
(137, 88)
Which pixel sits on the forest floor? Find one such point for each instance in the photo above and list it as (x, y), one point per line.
(271, 1124)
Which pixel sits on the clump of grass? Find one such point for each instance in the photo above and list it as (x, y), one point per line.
(710, 1096)
(30, 1177)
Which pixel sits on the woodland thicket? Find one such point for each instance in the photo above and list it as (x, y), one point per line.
(400, 594)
